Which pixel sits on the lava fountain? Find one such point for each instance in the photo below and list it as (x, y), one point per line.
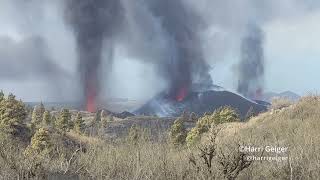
(182, 93)
(94, 23)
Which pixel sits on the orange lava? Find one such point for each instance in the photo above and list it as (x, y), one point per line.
(91, 100)
(182, 93)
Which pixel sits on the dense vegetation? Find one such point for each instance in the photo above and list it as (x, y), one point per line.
(39, 144)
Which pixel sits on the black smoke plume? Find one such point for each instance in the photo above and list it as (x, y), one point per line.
(251, 67)
(93, 23)
(185, 68)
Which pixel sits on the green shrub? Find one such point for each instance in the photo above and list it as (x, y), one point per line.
(178, 132)
(79, 125)
(46, 118)
(219, 116)
(225, 115)
(37, 114)
(40, 143)
(12, 115)
(202, 126)
(63, 122)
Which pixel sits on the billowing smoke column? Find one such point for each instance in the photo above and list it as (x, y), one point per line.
(93, 21)
(251, 66)
(185, 67)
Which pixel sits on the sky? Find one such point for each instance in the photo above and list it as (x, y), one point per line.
(291, 46)
(292, 55)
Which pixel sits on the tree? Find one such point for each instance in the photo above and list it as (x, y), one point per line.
(232, 161)
(219, 116)
(178, 133)
(63, 120)
(46, 118)
(97, 117)
(225, 115)
(79, 125)
(42, 109)
(1, 96)
(40, 143)
(53, 120)
(37, 114)
(12, 115)
(202, 126)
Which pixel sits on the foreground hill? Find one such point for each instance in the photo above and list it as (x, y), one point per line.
(282, 143)
(296, 127)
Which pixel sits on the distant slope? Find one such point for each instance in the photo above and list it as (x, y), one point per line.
(287, 94)
(199, 103)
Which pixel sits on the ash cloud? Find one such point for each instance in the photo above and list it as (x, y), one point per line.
(178, 55)
(251, 66)
(166, 35)
(28, 59)
(93, 23)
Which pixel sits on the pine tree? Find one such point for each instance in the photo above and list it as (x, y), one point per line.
(1, 96)
(37, 114)
(97, 117)
(42, 109)
(53, 120)
(46, 118)
(40, 143)
(12, 115)
(79, 125)
(178, 132)
(63, 121)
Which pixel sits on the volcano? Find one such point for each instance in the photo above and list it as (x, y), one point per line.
(199, 103)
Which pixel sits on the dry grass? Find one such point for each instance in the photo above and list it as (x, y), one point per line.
(296, 127)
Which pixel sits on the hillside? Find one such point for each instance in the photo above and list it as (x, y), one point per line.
(199, 103)
(268, 96)
(296, 127)
(145, 147)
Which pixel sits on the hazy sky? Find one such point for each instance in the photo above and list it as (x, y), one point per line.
(292, 51)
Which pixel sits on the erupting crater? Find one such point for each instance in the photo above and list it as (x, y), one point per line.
(91, 98)
(198, 102)
(181, 95)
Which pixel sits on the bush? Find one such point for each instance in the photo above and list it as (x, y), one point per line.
(202, 126)
(178, 133)
(63, 122)
(37, 114)
(40, 143)
(12, 115)
(46, 118)
(219, 116)
(225, 115)
(79, 125)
